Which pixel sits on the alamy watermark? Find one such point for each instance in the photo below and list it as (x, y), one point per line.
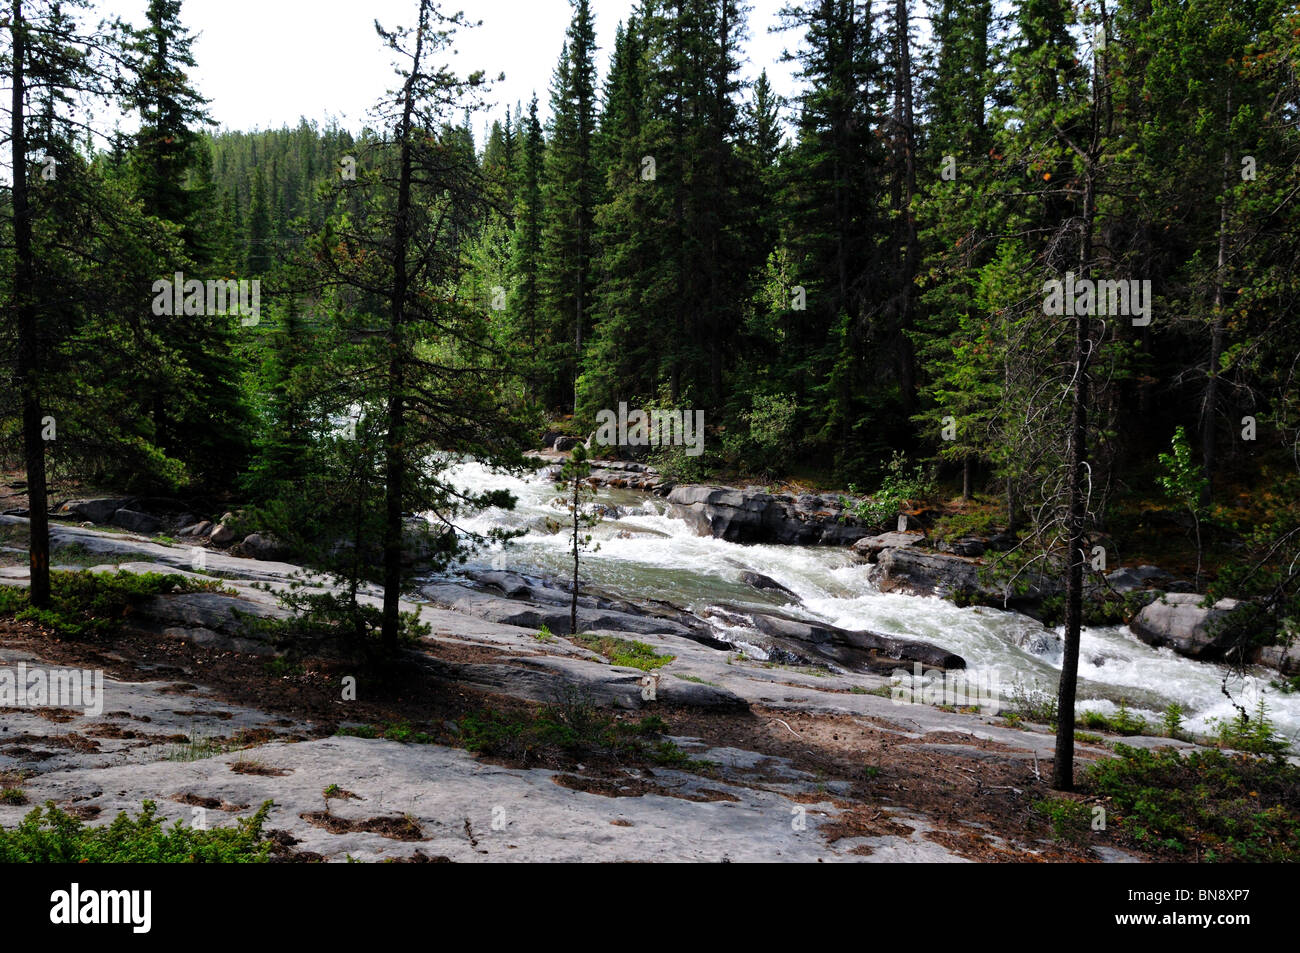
(651, 428)
(956, 689)
(1106, 298)
(21, 687)
(177, 296)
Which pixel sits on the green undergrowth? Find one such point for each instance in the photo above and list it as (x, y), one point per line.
(1208, 805)
(95, 605)
(49, 835)
(625, 652)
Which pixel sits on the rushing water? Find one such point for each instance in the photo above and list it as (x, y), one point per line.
(647, 554)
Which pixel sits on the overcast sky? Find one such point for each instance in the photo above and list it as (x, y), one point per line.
(265, 63)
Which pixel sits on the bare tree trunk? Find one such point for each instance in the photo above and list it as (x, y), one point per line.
(28, 365)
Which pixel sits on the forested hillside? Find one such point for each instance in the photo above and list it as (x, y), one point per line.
(1037, 262)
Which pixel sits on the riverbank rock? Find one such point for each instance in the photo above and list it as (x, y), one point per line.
(754, 516)
(796, 641)
(919, 572)
(260, 546)
(1180, 621)
(93, 511)
(758, 581)
(869, 548)
(137, 522)
(1126, 579)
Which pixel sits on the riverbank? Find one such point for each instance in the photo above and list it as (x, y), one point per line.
(753, 760)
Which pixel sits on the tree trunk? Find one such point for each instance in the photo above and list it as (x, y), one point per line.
(28, 365)
(573, 601)
(394, 449)
(1208, 447)
(1063, 767)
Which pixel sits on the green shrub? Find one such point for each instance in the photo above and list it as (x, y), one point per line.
(51, 836)
(1229, 808)
(1256, 735)
(1123, 722)
(900, 487)
(91, 605)
(1071, 820)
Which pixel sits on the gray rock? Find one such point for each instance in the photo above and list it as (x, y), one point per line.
(1283, 658)
(759, 581)
(223, 535)
(869, 548)
(209, 611)
(564, 444)
(799, 642)
(753, 516)
(261, 546)
(137, 522)
(1127, 579)
(545, 678)
(201, 528)
(926, 574)
(965, 546)
(1189, 628)
(94, 511)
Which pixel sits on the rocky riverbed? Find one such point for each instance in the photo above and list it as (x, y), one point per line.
(796, 762)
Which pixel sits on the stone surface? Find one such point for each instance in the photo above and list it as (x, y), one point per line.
(95, 511)
(137, 522)
(767, 583)
(869, 548)
(754, 516)
(260, 546)
(223, 535)
(1179, 621)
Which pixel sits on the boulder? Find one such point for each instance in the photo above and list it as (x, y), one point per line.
(752, 515)
(965, 546)
(758, 581)
(198, 529)
(223, 535)
(260, 546)
(94, 511)
(869, 548)
(924, 573)
(1283, 658)
(1127, 579)
(564, 444)
(1180, 621)
(137, 522)
(801, 642)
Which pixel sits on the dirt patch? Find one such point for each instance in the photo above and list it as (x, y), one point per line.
(420, 857)
(636, 787)
(208, 803)
(259, 769)
(394, 828)
(860, 823)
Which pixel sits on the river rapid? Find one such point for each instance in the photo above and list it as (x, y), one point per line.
(648, 554)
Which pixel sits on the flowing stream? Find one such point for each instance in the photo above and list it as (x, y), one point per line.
(645, 553)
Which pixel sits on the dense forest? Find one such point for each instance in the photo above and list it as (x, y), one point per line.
(1040, 261)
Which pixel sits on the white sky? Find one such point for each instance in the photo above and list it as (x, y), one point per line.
(265, 63)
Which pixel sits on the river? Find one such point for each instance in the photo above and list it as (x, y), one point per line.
(649, 554)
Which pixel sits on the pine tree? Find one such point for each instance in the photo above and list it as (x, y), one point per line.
(572, 189)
